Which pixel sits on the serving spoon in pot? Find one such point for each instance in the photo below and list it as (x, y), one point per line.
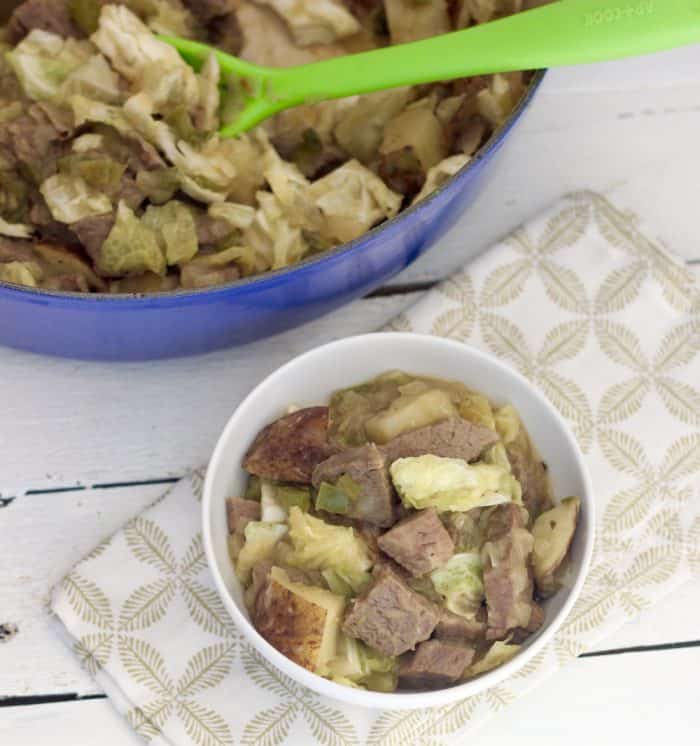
(568, 32)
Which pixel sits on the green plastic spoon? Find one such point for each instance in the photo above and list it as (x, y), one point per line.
(569, 32)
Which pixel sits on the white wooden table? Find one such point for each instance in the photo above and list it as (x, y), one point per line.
(82, 443)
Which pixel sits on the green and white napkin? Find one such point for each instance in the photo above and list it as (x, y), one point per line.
(607, 325)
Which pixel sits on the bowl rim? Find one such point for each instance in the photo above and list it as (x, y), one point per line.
(275, 276)
(402, 700)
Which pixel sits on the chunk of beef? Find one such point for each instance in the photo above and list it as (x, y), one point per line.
(206, 10)
(420, 543)
(289, 449)
(196, 275)
(435, 664)
(15, 250)
(367, 467)
(240, 513)
(210, 231)
(47, 15)
(506, 556)
(93, 232)
(48, 229)
(225, 33)
(454, 438)
(530, 471)
(35, 141)
(129, 192)
(537, 617)
(402, 172)
(389, 616)
(455, 627)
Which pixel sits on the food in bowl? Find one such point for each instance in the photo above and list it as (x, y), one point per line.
(112, 176)
(400, 537)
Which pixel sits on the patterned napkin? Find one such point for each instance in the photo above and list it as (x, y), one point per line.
(597, 316)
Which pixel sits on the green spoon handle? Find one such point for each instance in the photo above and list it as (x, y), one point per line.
(569, 32)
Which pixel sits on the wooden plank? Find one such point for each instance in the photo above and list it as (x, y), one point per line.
(632, 700)
(68, 422)
(43, 537)
(49, 533)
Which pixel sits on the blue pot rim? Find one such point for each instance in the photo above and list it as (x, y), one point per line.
(279, 276)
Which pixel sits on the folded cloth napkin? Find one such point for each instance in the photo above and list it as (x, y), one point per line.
(607, 325)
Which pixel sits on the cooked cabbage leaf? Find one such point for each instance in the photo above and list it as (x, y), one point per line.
(133, 50)
(507, 423)
(352, 199)
(43, 62)
(356, 662)
(440, 173)
(461, 583)
(159, 185)
(21, 273)
(273, 237)
(260, 540)
(15, 230)
(131, 247)
(452, 484)
(239, 217)
(409, 412)
(498, 654)
(176, 229)
(320, 546)
(318, 22)
(70, 198)
(96, 80)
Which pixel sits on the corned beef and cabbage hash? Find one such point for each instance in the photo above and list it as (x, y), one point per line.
(400, 537)
(112, 175)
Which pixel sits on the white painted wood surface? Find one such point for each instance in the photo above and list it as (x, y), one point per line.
(629, 129)
(592, 702)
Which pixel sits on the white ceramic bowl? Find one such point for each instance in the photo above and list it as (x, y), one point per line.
(309, 380)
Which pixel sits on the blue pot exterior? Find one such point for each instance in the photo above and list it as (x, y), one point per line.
(101, 327)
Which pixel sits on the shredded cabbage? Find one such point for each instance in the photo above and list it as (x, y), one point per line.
(260, 540)
(318, 22)
(131, 247)
(176, 230)
(498, 654)
(21, 273)
(356, 662)
(44, 61)
(461, 583)
(15, 230)
(452, 484)
(352, 199)
(507, 424)
(132, 50)
(70, 198)
(96, 80)
(320, 546)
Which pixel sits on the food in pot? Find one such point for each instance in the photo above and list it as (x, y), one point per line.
(113, 177)
(387, 540)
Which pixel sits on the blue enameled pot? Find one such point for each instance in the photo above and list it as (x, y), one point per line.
(105, 327)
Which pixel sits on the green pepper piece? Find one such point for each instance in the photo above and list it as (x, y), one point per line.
(381, 682)
(86, 13)
(288, 496)
(252, 490)
(332, 499)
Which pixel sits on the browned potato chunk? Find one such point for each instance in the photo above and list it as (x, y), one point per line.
(290, 448)
(301, 621)
(553, 532)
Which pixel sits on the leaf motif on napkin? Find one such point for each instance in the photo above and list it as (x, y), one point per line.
(328, 725)
(205, 670)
